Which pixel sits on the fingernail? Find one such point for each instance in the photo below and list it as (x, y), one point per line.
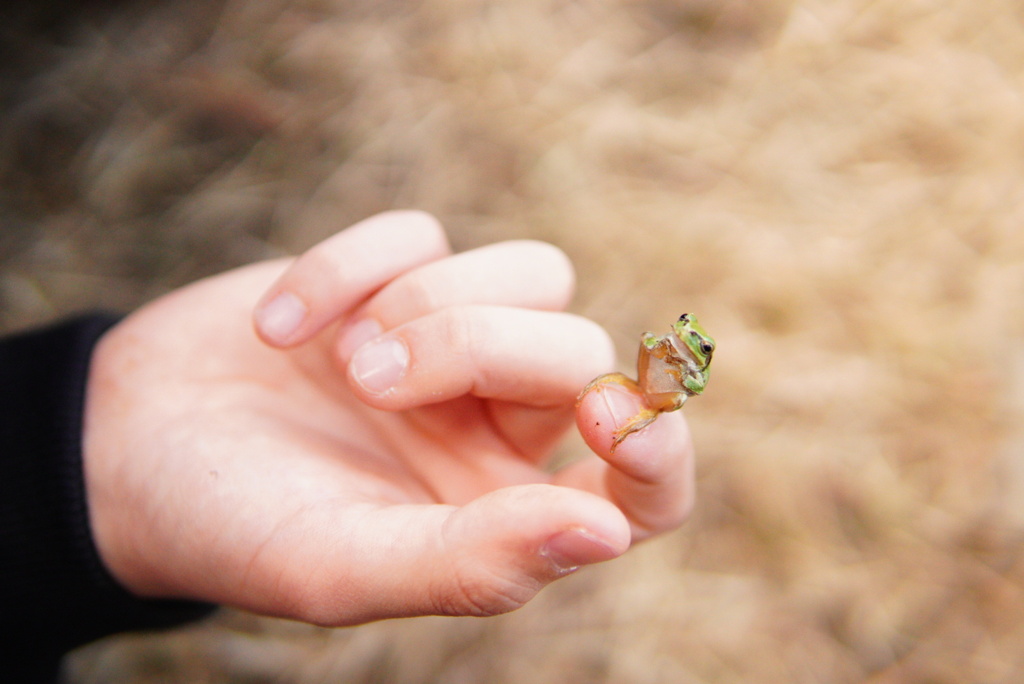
(379, 365)
(356, 335)
(279, 318)
(621, 404)
(573, 548)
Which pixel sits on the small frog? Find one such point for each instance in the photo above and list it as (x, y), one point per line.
(670, 369)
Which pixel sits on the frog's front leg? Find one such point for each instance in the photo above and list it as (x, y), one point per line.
(638, 422)
(658, 347)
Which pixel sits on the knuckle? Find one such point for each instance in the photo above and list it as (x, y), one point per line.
(551, 260)
(473, 591)
(318, 265)
(467, 585)
(471, 335)
(541, 269)
(461, 330)
(427, 226)
(417, 295)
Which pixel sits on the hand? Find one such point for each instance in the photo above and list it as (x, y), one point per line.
(376, 447)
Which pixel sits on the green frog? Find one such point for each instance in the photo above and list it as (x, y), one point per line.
(670, 369)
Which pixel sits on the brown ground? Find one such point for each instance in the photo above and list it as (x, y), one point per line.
(833, 185)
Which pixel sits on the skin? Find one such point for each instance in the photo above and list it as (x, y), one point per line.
(670, 369)
(377, 446)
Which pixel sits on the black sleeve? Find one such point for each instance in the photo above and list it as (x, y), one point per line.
(55, 593)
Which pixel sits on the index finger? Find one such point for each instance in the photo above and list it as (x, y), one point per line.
(340, 272)
(535, 358)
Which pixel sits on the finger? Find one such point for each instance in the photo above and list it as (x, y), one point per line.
(520, 273)
(533, 432)
(539, 358)
(650, 474)
(340, 272)
(523, 273)
(485, 558)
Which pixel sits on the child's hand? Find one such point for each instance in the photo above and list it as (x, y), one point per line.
(378, 449)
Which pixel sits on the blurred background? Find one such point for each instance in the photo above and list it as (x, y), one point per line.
(834, 186)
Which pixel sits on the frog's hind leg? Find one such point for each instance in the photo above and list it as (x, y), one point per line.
(613, 378)
(634, 424)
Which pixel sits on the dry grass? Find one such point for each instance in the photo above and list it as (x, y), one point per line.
(834, 186)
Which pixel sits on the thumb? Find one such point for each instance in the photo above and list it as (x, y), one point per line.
(503, 548)
(488, 557)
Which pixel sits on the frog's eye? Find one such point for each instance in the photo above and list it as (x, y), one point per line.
(706, 346)
(685, 318)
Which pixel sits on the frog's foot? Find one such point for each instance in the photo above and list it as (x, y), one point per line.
(609, 378)
(634, 424)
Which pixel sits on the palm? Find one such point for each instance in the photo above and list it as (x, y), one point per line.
(449, 452)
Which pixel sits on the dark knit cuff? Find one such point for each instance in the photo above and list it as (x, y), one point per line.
(55, 593)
